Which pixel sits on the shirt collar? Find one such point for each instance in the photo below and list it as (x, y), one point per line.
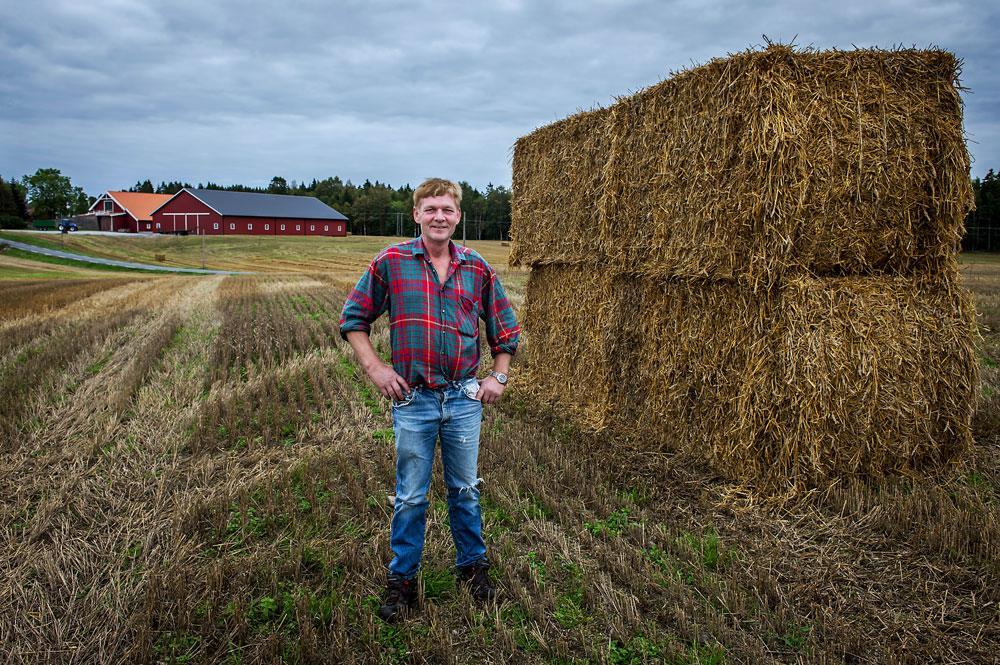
(457, 256)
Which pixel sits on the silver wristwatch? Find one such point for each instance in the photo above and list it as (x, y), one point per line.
(500, 377)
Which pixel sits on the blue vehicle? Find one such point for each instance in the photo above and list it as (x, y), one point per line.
(67, 225)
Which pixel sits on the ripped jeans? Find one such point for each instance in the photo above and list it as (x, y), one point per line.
(418, 420)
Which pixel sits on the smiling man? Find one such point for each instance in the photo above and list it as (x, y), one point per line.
(436, 293)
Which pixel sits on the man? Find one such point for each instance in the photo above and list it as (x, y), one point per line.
(435, 293)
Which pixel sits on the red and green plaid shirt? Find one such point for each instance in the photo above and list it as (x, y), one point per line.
(433, 328)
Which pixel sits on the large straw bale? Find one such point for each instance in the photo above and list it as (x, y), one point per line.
(818, 378)
(879, 374)
(777, 162)
(774, 286)
(567, 354)
(701, 365)
(558, 172)
(759, 165)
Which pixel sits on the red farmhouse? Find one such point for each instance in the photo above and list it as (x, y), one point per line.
(219, 212)
(125, 211)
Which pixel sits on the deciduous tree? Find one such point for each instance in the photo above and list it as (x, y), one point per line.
(50, 193)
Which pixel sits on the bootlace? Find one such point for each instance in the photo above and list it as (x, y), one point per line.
(480, 580)
(395, 591)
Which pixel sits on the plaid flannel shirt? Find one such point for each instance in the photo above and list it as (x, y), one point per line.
(433, 328)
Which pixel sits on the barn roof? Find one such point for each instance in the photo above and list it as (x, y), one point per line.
(250, 204)
(138, 204)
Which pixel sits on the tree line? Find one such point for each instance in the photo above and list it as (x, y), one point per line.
(982, 225)
(375, 208)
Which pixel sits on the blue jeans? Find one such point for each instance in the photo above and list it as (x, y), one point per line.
(418, 420)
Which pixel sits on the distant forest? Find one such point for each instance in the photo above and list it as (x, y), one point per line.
(379, 209)
(982, 225)
(374, 208)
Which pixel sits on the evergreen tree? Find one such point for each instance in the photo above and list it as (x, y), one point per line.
(497, 212)
(278, 185)
(20, 199)
(982, 225)
(172, 187)
(13, 212)
(7, 205)
(988, 199)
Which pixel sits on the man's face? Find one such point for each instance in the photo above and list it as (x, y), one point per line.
(437, 217)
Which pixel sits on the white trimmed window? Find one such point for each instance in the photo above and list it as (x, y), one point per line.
(109, 206)
(232, 227)
(215, 226)
(312, 227)
(282, 227)
(249, 227)
(267, 227)
(298, 227)
(157, 225)
(326, 227)
(339, 228)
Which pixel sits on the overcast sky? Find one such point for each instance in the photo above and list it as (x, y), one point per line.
(115, 91)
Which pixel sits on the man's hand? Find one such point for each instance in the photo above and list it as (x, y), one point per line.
(389, 383)
(490, 391)
(384, 377)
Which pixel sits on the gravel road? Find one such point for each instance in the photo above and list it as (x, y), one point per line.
(111, 262)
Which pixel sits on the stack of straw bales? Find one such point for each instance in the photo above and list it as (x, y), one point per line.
(754, 262)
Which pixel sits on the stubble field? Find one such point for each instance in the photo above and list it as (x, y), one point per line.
(195, 470)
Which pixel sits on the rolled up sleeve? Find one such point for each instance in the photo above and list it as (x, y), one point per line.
(366, 302)
(502, 330)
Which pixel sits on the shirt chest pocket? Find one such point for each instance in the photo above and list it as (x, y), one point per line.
(468, 316)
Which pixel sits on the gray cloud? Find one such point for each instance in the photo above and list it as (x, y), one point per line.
(112, 91)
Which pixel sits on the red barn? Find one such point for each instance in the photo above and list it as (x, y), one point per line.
(219, 212)
(127, 212)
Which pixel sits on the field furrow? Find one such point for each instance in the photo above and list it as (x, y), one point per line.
(196, 470)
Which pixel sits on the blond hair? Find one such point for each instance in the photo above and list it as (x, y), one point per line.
(437, 187)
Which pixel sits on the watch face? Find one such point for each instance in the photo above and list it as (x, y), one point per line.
(502, 378)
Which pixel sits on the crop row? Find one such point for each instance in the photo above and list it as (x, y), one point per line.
(33, 297)
(270, 410)
(261, 329)
(25, 376)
